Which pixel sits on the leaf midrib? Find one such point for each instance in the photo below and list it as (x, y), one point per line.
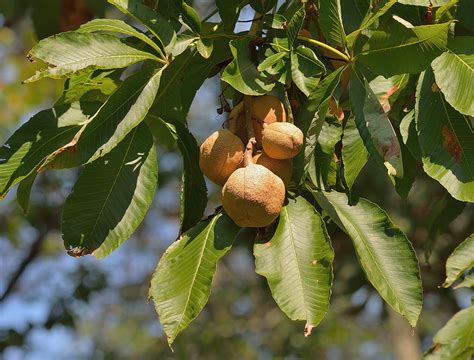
(359, 233)
(297, 262)
(210, 228)
(114, 183)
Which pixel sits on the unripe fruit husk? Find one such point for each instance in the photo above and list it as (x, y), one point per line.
(282, 140)
(281, 168)
(253, 196)
(265, 109)
(220, 155)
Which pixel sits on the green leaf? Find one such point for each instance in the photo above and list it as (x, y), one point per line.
(181, 283)
(23, 192)
(374, 127)
(183, 41)
(353, 13)
(456, 339)
(467, 282)
(387, 90)
(275, 21)
(454, 74)
(368, 21)
(46, 16)
(384, 252)
(153, 21)
(465, 13)
(69, 52)
(117, 26)
(445, 138)
(294, 26)
(193, 189)
(242, 73)
(331, 22)
(122, 112)
(262, 6)
(90, 86)
(461, 259)
(310, 121)
(45, 132)
(205, 47)
(182, 79)
(297, 263)
(271, 60)
(306, 69)
(111, 197)
(409, 134)
(354, 153)
(410, 50)
(229, 11)
(191, 18)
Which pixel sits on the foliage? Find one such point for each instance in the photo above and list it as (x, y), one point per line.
(350, 92)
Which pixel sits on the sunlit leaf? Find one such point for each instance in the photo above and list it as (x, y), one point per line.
(70, 52)
(181, 284)
(354, 153)
(456, 339)
(111, 197)
(410, 50)
(331, 22)
(454, 74)
(297, 263)
(306, 69)
(294, 26)
(384, 252)
(445, 138)
(460, 260)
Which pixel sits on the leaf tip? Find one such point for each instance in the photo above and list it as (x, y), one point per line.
(80, 251)
(308, 329)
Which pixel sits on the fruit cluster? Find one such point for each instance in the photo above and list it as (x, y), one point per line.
(254, 176)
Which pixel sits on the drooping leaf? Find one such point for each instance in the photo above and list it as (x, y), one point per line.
(193, 189)
(354, 153)
(461, 259)
(456, 339)
(445, 138)
(454, 74)
(242, 73)
(306, 69)
(45, 132)
(410, 50)
(297, 263)
(122, 112)
(69, 52)
(331, 22)
(294, 26)
(111, 197)
(310, 120)
(384, 252)
(181, 283)
(374, 126)
(117, 26)
(153, 21)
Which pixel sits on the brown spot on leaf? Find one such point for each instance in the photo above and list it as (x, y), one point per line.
(268, 244)
(314, 262)
(392, 150)
(80, 251)
(451, 144)
(384, 99)
(434, 87)
(336, 110)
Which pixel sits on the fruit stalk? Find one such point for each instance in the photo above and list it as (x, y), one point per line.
(248, 116)
(248, 154)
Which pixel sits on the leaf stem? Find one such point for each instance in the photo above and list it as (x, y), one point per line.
(326, 47)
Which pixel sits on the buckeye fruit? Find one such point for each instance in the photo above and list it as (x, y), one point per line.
(265, 109)
(282, 140)
(281, 168)
(220, 155)
(253, 195)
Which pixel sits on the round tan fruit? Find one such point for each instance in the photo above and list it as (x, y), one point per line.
(253, 196)
(266, 109)
(220, 155)
(281, 168)
(282, 140)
